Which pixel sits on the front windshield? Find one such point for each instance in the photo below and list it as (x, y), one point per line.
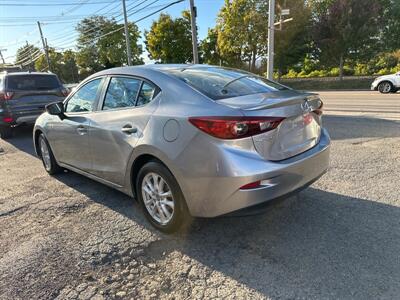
(221, 83)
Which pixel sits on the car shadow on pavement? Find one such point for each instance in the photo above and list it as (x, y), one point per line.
(22, 139)
(318, 243)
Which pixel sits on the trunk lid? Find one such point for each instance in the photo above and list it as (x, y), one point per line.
(298, 132)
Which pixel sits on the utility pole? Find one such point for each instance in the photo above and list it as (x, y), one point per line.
(193, 15)
(2, 57)
(128, 43)
(271, 36)
(44, 46)
(30, 55)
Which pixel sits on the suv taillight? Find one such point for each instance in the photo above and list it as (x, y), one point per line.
(6, 95)
(235, 127)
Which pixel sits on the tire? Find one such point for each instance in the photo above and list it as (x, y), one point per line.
(6, 132)
(158, 216)
(47, 156)
(385, 87)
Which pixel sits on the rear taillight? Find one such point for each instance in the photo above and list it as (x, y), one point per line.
(6, 95)
(65, 92)
(235, 127)
(7, 119)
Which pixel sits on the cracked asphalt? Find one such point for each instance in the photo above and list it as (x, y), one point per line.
(67, 237)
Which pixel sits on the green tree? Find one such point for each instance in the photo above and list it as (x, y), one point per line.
(55, 61)
(69, 72)
(292, 41)
(26, 56)
(101, 45)
(345, 29)
(62, 63)
(170, 40)
(242, 32)
(209, 48)
(390, 33)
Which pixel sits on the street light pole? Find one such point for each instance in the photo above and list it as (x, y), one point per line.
(193, 15)
(271, 36)
(127, 40)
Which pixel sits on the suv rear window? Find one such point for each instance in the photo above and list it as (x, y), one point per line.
(32, 82)
(221, 83)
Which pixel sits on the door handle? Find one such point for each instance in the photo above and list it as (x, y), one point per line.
(128, 129)
(81, 130)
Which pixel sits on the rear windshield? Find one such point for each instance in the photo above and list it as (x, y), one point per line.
(221, 83)
(32, 82)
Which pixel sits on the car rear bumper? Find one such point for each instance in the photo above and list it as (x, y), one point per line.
(222, 195)
(19, 118)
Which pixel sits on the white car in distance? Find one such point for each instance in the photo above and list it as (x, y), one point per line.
(387, 83)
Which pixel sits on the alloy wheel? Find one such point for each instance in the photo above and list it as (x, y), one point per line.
(158, 198)
(385, 87)
(45, 153)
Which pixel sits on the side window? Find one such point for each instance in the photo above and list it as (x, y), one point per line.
(121, 92)
(147, 93)
(83, 99)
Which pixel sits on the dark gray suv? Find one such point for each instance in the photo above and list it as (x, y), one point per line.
(23, 97)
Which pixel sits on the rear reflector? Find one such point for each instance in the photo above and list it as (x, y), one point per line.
(235, 127)
(7, 119)
(251, 186)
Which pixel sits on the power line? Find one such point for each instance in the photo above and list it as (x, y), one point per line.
(94, 30)
(115, 9)
(23, 51)
(136, 21)
(53, 4)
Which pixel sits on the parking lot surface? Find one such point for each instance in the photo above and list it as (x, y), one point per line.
(68, 237)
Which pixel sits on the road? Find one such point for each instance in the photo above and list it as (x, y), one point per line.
(68, 237)
(365, 103)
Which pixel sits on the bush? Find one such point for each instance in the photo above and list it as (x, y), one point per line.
(291, 74)
(384, 71)
(318, 73)
(362, 70)
(395, 69)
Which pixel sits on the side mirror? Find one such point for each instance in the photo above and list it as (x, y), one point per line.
(56, 109)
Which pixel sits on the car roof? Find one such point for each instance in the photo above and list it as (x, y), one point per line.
(28, 73)
(151, 67)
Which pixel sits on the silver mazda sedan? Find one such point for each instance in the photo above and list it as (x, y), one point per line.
(186, 140)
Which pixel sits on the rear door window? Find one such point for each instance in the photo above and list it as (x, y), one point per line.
(121, 93)
(32, 82)
(147, 93)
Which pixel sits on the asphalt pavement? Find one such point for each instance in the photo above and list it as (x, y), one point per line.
(68, 237)
(362, 103)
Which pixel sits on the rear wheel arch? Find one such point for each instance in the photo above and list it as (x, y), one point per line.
(138, 163)
(37, 134)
